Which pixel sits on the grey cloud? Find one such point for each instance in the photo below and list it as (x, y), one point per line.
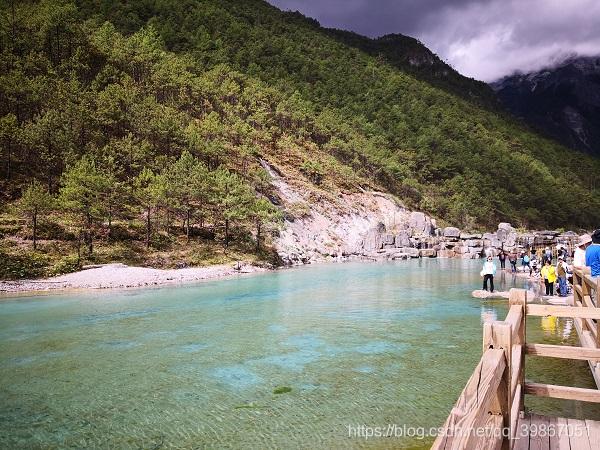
(483, 39)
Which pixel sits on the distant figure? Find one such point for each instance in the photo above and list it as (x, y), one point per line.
(534, 262)
(561, 274)
(488, 272)
(548, 254)
(526, 265)
(502, 258)
(512, 259)
(579, 255)
(549, 277)
(592, 254)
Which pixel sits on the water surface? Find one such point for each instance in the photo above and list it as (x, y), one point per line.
(386, 345)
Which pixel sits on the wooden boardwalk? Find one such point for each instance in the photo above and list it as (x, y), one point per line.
(554, 433)
(490, 412)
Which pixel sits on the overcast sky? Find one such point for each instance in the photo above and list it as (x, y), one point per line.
(483, 39)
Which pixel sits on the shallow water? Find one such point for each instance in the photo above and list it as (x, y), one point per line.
(385, 346)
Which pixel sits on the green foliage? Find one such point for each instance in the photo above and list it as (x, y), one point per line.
(158, 115)
(22, 265)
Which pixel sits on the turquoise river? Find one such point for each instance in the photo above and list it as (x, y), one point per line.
(309, 357)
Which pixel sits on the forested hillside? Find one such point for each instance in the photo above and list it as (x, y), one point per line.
(135, 124)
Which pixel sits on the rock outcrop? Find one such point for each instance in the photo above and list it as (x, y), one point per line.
(373, 225)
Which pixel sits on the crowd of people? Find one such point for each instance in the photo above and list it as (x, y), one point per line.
(540, 267)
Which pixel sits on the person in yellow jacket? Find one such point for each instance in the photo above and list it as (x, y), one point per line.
(549, 276)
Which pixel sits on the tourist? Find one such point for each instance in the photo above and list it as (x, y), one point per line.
(526, 265)
(534, 262)
(549, 254)
(549, 277)
(561, 275)
(512, 259)
(579, 256)
(502, 258)
(488, 272)
(592, 254)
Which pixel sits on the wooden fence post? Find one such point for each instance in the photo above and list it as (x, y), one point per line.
(498, 335)
(519, 297)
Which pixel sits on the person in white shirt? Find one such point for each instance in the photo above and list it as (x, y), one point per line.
(579, 256)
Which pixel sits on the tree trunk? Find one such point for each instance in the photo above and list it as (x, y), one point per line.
(226, 233)
(148, 226)
(258, 236)
(35, 213)
(89, 234)
(187, 227)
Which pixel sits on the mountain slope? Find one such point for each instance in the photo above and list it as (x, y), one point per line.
(139, 85)
(562, 101)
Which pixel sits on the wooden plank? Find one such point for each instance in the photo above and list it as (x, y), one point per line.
(515, 412)
(515, 317)
(593, 429)
(472, 406)
(557, 430)
(564, 392)
(498, 335)
(538, 440)
(562, 351)
(587, 342)
(493, 437)
(578, 435)
(520, 439)
(563, 311)
(516, 367)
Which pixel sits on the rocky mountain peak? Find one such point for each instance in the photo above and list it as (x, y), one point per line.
(562, 101)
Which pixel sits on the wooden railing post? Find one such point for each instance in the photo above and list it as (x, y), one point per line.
(519, 297)
(498, 335)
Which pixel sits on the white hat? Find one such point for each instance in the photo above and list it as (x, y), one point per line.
(584, 239)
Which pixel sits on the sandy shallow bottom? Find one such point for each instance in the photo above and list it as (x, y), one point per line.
(123, 276)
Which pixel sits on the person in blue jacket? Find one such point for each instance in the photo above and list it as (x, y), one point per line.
(592, 254)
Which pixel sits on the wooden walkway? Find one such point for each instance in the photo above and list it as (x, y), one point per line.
(490, 412)
(554, 433)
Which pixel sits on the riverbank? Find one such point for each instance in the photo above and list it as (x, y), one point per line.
(122, 276)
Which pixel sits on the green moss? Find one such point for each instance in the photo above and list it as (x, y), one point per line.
(282, 390)
(250, 407)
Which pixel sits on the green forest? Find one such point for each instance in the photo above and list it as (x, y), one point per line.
(138, 132)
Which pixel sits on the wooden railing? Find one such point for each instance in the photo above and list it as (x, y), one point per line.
(585, 294)
(489, 407)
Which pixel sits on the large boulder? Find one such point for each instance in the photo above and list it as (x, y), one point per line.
(451, 233)
(402, 239)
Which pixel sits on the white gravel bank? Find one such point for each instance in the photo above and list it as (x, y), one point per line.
(122, 276)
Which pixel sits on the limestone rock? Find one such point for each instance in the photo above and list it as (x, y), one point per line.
(451, 232)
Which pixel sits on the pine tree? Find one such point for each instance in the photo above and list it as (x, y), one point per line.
(36, 202)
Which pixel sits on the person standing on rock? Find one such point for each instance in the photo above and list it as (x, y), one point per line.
(549, 276)
(488, 272)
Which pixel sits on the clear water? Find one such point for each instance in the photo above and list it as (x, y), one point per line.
(387, 344)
